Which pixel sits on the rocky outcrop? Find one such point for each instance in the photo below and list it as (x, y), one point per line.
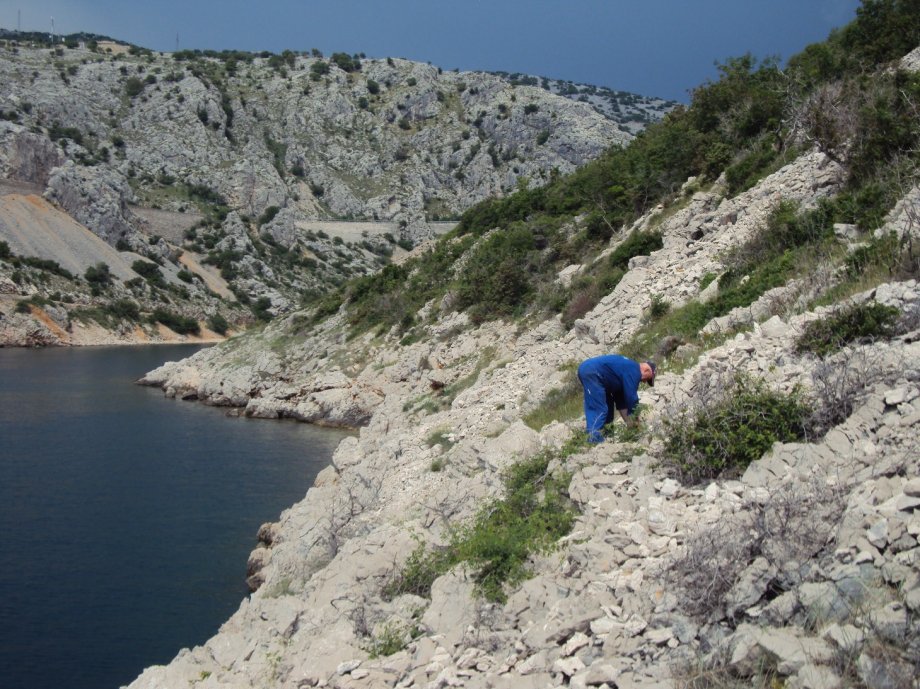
(96, 198)
(808, 557)
(26, 156)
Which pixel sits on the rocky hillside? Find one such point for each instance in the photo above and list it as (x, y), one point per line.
(631, 111)
(760, 528)
(229, 159)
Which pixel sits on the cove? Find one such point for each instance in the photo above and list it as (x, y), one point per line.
(127, 517)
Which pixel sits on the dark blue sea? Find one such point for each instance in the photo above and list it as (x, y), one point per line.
(126, 518)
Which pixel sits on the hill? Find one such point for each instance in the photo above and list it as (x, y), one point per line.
(758, 529)
(231, 159)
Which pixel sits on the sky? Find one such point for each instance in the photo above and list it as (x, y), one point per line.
(660, 48)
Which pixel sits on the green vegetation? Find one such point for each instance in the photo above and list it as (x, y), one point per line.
(392, 639)
(150, 272)
(723, 437)
(43, 264)
(560, 404)
(533, 514)
(133, 87)
(218, 324)
(440, 437)
(110, 315)
(181, 325)
(849, 324)
(5, 251)
(260, 309)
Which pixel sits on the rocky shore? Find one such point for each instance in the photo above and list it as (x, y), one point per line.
(806, 565)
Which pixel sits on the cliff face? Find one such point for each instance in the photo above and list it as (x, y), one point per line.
(813, 548)
(245, 154)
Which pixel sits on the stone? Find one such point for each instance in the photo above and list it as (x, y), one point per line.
(659, 636)
(792, 651)
(569, 666)
(669, 488)
(895, 397)
(884, 674)
(812, 676)
(602, 672)
(347, 666)
(890, 621)
(577, 642)
(775, 328)
(846, 637)
(452, 607)
(538, 662)
(877, 533)
(822, 600)
(750, 586)
(912, 488)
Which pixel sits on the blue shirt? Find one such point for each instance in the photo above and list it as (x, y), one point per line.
(619, 375)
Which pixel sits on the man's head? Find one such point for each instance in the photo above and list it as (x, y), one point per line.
(647, 368)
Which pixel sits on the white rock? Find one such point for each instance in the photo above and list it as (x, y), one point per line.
(578, 641)
(569, 666)
(347, 666)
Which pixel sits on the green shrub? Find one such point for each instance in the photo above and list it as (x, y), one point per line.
(218, 324)
(533, 514)
(150, 272)
(99, 274)
(182, 325)
(268, 215)
(260, 309)
(123, 309)
(849, 324)
(723, 437)
(44, 264)
(133, 87)
(878, 252)
(636, 244)
(5, 251)
(22, 306)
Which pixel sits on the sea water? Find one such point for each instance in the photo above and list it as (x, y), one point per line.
(126, 517)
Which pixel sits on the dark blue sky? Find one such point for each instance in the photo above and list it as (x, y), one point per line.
(654, 47)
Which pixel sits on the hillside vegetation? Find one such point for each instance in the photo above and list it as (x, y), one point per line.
(840, 96)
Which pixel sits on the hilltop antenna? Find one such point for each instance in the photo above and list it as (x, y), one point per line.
(52, 30)
(177, 41)
(18, 20)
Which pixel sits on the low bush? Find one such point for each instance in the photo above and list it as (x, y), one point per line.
(181, 325)
(150, 272)
(218, 324)
(721, 438)
(852, 323)
(530, 518)
(45, 264)
(123, 309)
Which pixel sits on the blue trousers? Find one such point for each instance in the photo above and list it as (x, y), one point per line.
(600, 407)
